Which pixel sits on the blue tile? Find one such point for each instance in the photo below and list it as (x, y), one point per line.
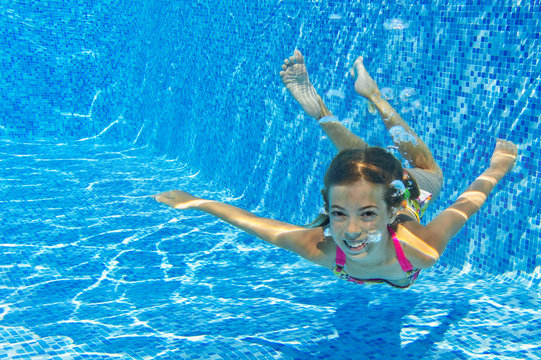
(105, 105)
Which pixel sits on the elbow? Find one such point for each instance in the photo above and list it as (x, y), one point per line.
(430, 262)
(426, 261)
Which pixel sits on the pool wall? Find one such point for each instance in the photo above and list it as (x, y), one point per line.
(198, 82)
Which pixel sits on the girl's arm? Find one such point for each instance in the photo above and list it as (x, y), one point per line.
(302, 241)
(447, 224)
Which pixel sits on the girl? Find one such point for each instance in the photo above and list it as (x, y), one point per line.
(369, 230)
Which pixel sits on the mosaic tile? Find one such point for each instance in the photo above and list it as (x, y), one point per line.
(105, 105)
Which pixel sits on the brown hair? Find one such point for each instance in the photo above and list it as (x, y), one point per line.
(373, 164)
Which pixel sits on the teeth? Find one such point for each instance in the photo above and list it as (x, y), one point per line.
(355, 244)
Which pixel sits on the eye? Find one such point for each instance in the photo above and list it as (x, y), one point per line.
(337, 213)
(369, 214)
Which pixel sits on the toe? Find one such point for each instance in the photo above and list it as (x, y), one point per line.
(358, 62)
(298, 56)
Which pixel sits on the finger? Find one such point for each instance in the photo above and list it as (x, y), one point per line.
(509, 146)
(159, 198)
(513, 148)
(165, 200)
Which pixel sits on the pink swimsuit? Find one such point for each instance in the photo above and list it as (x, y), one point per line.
(410, 271)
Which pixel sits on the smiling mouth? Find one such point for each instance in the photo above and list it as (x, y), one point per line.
(355, 245)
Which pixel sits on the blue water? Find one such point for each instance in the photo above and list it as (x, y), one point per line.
(104, 104)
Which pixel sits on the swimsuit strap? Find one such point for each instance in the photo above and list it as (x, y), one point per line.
(338, 269)
(340, 257)
(402, 260)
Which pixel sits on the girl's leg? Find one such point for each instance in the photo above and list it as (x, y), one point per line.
(409, 144)
(340, 136)
(295, 78)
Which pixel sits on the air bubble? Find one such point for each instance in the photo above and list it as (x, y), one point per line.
(337, 93)
(387, 93)
(407, 94)
(371, 108)
(400, 135)
(416, 104)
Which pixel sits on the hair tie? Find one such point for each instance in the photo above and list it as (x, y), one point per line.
(399, 189)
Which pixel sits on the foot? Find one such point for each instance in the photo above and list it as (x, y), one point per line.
(295, 78)
(504, 156)
(364, 84)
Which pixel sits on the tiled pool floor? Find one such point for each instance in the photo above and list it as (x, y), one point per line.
(92, 268)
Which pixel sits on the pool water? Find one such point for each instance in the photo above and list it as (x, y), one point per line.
(107, 103)
(106, 273)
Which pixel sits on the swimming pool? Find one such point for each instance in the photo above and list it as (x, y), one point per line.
(106, 103)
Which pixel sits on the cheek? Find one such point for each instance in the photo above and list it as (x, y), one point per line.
(376, 223)
(338, 220)
(381, 219)
(389, 218)
(335, 227)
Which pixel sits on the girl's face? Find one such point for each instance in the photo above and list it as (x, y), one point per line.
(358, 214)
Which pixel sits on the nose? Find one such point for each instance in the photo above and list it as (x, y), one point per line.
(353, 229)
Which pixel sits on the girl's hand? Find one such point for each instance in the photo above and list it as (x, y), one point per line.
(504, 156)
(177, 199)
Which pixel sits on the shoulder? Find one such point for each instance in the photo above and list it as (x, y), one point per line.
(311, 244)
(412, 236)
